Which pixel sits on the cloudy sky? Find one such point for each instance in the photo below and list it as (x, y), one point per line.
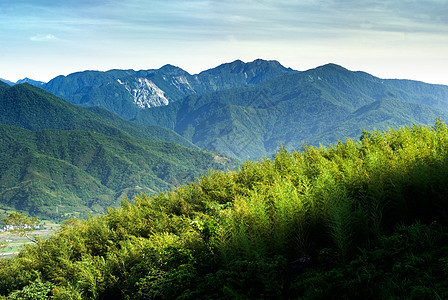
(41, 39)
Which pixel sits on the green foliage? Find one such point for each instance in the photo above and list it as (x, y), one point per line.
(357, 220)
(34, 291)
(22, 225)
(58, 159)
(410, 264)
(51, 173)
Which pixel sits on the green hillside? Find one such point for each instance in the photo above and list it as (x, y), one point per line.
(138, 130)
(32, 108)
(363, 219)
(57, 159)
(52, 172)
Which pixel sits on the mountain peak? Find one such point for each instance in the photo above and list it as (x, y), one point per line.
(172, 70)
(266, 65)
(250, 70)
(237, 62)
(233, 67)
(333, 66)
(240, 65)
(4, 83)
(260, 61)
(30, 81)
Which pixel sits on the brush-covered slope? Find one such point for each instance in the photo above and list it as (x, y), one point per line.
(359, 220)
(321, 105)
(52, 172)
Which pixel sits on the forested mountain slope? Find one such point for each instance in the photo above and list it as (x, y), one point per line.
(248, 110)
(57, 158)
(320, 105)
(32, 108)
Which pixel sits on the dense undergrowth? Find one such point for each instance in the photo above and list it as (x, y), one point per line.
(361, 220)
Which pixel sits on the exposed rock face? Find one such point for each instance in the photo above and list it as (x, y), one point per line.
(145, 93)
(145, 89)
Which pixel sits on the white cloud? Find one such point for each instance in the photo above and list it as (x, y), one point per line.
(43, 38)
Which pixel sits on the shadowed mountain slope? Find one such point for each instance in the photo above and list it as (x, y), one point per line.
(57, 158)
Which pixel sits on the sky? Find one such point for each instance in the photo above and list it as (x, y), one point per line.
(406, 39)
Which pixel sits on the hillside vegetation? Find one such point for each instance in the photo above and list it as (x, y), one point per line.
(361, 220)
(57, 173)
(32, 108)
(58, 159)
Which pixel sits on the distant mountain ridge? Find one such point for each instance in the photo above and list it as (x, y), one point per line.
(7, 82)
(126, 92)
(320, 105)
(30, 81)
(24, 80)
(248, 109)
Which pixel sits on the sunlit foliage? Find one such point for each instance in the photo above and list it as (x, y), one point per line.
(359, 219)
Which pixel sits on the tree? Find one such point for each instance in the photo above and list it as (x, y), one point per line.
(2, 245)
(22, 225)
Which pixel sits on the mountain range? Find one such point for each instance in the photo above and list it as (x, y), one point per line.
(247, 110)
(127, 92)
(347, 222)
(81, 142)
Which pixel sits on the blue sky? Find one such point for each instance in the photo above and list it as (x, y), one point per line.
(41, 39)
